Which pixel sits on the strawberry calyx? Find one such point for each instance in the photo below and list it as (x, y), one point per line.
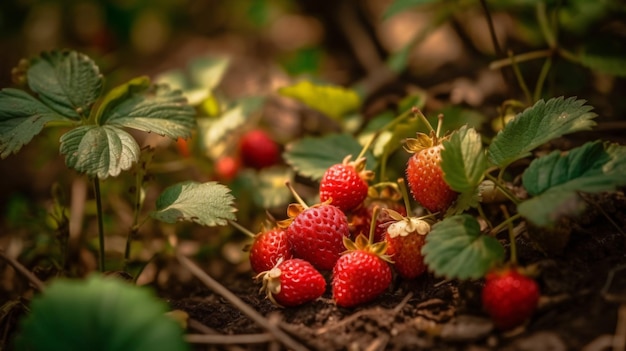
(359, 167)
(271, 282)
(362, 243)
(529, 271)
(384, 191)
(407, 225)
(294, 209)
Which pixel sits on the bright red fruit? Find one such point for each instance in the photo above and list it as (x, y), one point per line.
(316, 233)
(509, 297)
(361, 274)
(361, 218)
(258, 149)
(405, 239)
(226, 168)
(345, 183)
(292, 282)
(267, 248)
(424, 174)
(182, 145)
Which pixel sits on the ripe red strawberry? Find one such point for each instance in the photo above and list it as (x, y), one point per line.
(361, 273)
(509, 297)
(292, 282)
(405, 239)
(345, 183)
(226, 168)
(268, 248)
(316, 233)
(361, 218)
(424, 174)
(182, 145)
(258, 149)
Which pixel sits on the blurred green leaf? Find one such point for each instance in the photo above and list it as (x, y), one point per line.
(100, 151)
(207, 72)
(605, 54)
(21, 118)
(269, 190)
(311, 157)
(208, 204)
(398, 6)
(154, 109)
(333, 101)
(98, 313)
(455, 248)
(537, 125)
(66, 81)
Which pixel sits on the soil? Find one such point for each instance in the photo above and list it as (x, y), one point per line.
(582, 289)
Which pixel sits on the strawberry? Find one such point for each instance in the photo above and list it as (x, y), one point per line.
(361, 218)
(182, 145)
(345, 183)
(405, 239)
(509, 297)
(292, 282)
(268, 248)
(226, 168)
(361, 273)
(316, 233)
(424, 174)
(258, 149)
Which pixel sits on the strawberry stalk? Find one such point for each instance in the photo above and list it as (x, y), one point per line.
(295, 195)
(373, 225)
(513, 249)
(418, 113)
(405, 196)
(241, 228)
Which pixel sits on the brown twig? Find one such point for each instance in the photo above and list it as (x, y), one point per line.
(212, 284)
(38, 284)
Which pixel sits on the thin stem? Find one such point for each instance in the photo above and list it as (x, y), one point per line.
(295, 195)
(520, 78)
(505, 223)
(405, 195)
(481, 213)
(368, 144)
(241, 228)
(502, 188)
(96, 189)
(418, 113)
(545, 69)
(38, 284)
(134, 229)
(373, 225)
(492, 30)
(527, 56)
(507, 216)
(544, 24)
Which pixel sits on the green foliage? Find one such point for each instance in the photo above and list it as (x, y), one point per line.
(605, 55)
(333, 101)
(455, 248)
(555, 180)
(463, 160)
(399, 6)
(98, 313)
(537, 125)
(311, 157)
(207, 204)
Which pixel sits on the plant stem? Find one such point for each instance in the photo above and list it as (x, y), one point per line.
(520, 78)
(96, 189)
(502, 188)
(505, 223)
(492, 30)
(545, 69)
(418, 113)
(134, 229)
(513, 249)
(405, 196)
(373, 225)
(241, 228)
(544, 25)
(527, 56)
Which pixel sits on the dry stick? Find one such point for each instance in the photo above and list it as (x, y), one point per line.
(39, 285)
(237, 302)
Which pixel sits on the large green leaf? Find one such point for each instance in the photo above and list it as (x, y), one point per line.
(21, 118)
(207, 204)
(333, 101)
(98, 313)
(555, 180)
(66, 81)
(455, 248)
(463, 160)
(537, 125)
(100, 151)
(311, 156)
(149, 108)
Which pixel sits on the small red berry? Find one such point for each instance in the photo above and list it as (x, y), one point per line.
(182, 145)
(226, 168)
(292, 282)
(405, 239)
(258, 149)
(385, 198)
(361, 274)
(345, 183)
(268, 248)
(509, 297)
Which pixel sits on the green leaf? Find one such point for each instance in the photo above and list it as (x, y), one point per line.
(537, 125)
(605, 55)
(268, 186)
(67, 81)
(100, 151)
(465, 201)
(311, 157)
(455, 248)
(398, 6)
(207, 72)
(555, 180)
(154, 109)
(21, 118)
(333, 101)
(463, 160)
(98, 313)
(207, 204)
